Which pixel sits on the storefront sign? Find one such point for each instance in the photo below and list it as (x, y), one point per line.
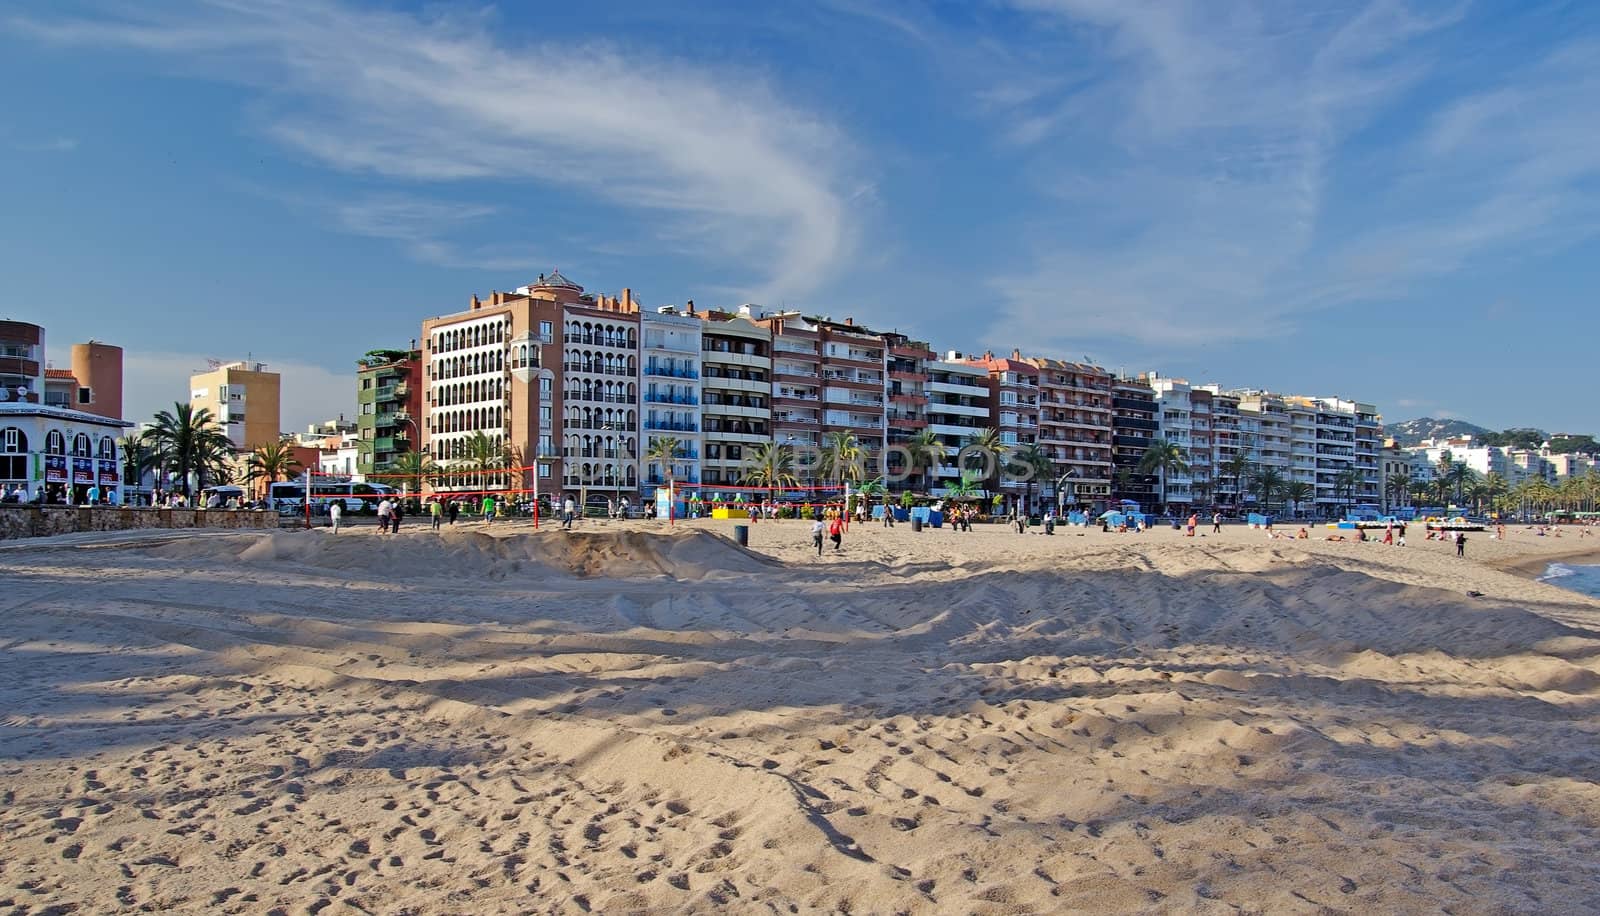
(83, 470)
(55, 468)
(108, 474)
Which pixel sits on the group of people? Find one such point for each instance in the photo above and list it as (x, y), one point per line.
(830, 521)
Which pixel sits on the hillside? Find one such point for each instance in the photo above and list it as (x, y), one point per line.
(1408, 433)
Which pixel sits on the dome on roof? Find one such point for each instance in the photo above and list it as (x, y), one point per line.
(554, 280)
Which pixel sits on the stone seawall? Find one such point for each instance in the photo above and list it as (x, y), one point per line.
(43, 521)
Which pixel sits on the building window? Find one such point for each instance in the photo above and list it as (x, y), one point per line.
(544, 418)
(544, 469)
(80, 446)
(55, 443)
(547, 332)
(84, 396)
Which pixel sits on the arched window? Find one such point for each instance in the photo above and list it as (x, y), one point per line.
(107, 449)
(13, 441)
(80, 446)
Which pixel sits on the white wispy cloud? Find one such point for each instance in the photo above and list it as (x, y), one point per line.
(46, 145)
(1190, 184)
(718, 155)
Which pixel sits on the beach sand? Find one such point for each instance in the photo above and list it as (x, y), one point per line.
(632, 719)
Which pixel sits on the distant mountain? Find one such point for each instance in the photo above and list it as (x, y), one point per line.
(1409, 433)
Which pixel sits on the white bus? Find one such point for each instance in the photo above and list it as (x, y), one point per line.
(291, 496)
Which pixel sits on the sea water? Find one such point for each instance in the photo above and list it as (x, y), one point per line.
(1585, 579)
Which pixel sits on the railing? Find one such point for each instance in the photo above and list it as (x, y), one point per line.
(600, 425)
(657, 398)
(578, 367)
(599, 398)
(599, 342)
(664, 426)
(669, 372)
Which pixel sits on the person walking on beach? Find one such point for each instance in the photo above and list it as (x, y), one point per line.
(1461, 544)
(1388, 533)
(488, 509)
(436, 509)
(396, 513)
(568, 511)
(335, 514)
(836, 532)
(1216, 523)
(454, 509)
(385, 510)
(816, 535)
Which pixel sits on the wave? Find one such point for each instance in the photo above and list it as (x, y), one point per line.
(1558, 571)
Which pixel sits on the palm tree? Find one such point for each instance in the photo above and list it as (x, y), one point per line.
(1494, 487)
(1346, 482)
(416, 466)
(1237, 469)
(925, 452)
(664, 451)
(1297, 492)
(269, 462)
(480, 456)
(1163, 457)
(841, 457)
(770, 465)
(985, 449)
(965, 488)
(190, 441)
(137, 459)
(1267, 483)
(1420, 491)
(1033, 461)
(1460, 476)
(1398, 486)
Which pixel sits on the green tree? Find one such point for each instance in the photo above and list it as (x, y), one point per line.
(1035, 465)
(925, 452)
(1346, 482)
(1566, 445)
(664, 451)
(271, 462)
(985, 449)
(1266, 483)
(770, 465)
(1459, 477)
(190, 442)
(842, 458)
(1237, 468)
(1398, 486)
(965, 488)
(415, 469)
(1297, 492)
(137, 459)
(1163, 458)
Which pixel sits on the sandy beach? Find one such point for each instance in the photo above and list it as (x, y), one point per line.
(631, 719)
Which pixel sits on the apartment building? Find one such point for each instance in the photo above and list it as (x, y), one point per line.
(1133, 427)
(737, 389)
(601, 407)
(1175, 423)
(388, 408)
(497, 369)
(1202, 449)
(1227, 437)
(796, 385)
(958, 409)
(1075, 427)
(1345, 436)
(1266, 435)
(670, 396)
(243, 398)
(832, 372)
(907, 391)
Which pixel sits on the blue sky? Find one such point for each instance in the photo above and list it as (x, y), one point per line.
(1380, 200)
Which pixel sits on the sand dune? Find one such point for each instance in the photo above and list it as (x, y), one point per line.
(629, 719)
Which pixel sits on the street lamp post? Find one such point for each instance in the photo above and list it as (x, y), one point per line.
(416, 442)
(1062, 483)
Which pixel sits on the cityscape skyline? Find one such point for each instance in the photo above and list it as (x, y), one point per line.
(1372, 200)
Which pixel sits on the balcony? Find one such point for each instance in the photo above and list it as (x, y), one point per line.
(668, 426)
(656, 397)
(670, 372)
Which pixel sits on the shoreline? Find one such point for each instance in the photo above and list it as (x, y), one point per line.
(1534, 566)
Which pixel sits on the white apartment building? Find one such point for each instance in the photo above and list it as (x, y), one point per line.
(958, 409)
(1175, 420)
(669, 393)
(736, 394)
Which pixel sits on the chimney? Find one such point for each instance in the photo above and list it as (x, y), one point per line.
(850, 322)
(690, 306)
(475, 303)
(1016, 355)
(627, 299)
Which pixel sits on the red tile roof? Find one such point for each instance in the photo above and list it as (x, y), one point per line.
(59, 373)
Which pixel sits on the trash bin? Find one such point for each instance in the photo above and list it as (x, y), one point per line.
(916, 524)
(741, 535)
